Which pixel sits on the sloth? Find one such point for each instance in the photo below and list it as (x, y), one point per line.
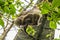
(30, 18)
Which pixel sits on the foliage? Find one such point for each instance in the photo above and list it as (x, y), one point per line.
(7, 7)
(30, 30)
(1, 22)
(48, 35)
(52, 10)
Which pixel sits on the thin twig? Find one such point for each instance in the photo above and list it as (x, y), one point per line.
(6, 31)
(5, 17)
(26, 7)
(26, 1)
(7, 23)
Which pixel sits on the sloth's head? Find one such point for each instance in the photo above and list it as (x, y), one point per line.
(30, 19)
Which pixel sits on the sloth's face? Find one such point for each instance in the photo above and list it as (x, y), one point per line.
(30, 19)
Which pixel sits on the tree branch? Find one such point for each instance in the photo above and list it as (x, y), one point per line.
(6, 31)
(26, 7)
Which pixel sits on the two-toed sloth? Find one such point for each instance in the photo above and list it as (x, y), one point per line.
(30, 18)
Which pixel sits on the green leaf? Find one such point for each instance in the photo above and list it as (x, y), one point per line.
(45, 8)
(44, 11)
(14, 16)
(31, 0)
(6, 9)
(10, 1)
(46, 5)
(56, 3)
(59, 10)
(48, 35)
(1, 2)
(52, 25)
(20, 9)
(1, 22)
(12, 9)
(56, 9)
(49, 18)
(58, 23)
(58, 19)
(30, 30)
(1, 9)
(6, 3)
(55, 16)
